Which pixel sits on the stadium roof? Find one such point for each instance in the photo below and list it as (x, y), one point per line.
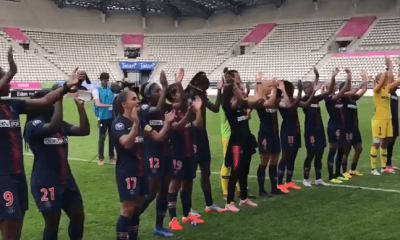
(177, 8)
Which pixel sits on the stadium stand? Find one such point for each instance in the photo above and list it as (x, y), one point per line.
(386, 31)
(373, 62)
(30, 67)
(91, 52)
(194, 52)
(289, 51)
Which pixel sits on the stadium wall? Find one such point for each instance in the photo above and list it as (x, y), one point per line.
(44, 15)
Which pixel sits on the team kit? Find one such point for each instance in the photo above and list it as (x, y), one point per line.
(161, 142)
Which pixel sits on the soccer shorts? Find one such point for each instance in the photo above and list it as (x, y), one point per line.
(382, 128)
(336, 135)
(157, 167)
(14, 196)
(268, 143)
(237, 151)
(290, 140)
(184, 169)
(51, 199)
(130, 188)
(353, 137)
(315, 139)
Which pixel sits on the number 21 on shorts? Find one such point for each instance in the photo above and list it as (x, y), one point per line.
(45, 192)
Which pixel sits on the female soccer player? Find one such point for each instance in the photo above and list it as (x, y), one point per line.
(268, 140)
(314, 134)
(382, 131)
(52, 184)
(352, 132)
(157, 160)
(394, 107)
(129, 133)
(13, 186)
(336, 130)
(182, 154)
(290, 134)
(198, 87)
(242, 143)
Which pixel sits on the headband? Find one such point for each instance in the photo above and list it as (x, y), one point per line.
(147, 89)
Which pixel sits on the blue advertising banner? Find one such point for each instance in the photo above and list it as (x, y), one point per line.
(137, 65)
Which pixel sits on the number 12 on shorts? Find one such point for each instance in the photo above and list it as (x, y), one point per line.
(154, 163)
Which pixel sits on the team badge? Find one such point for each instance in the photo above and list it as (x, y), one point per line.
(119, 126)
(11, 210)
(131, 192)
(48, 204)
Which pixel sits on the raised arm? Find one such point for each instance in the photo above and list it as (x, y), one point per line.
(307, 103)
(182, 123)
(363, 87)
(55, 95)
(332, 83)
(381, 82)
(6, 79)
(84, 126)
(214, 107)
(198, 122)
(346, 87)
(128, 140)
(164, 84)
(163, 133)
(56, 122)
(178, 79)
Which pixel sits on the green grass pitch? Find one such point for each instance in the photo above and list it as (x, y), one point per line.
(335, 212)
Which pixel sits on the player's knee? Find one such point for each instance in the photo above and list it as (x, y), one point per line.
(128, 208)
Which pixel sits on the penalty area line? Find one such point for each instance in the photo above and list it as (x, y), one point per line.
(253, 176)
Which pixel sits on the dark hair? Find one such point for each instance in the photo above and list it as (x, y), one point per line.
(225, 70)
(198, 79)
(170, 91)
(232, 73)
(117, 106)
(32, 114)
(289, 88)
(145, 95)
(278, 93)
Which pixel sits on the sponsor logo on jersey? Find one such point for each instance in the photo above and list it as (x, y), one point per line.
(352, 106)
(395, 98)
(9, 123)
(119, 126)
(139, 139)
(241, 118)
(36, 122)
(56, 141)
(156, 122)
(339, 105)
(271, 110)
(145, 106)
(315, 105)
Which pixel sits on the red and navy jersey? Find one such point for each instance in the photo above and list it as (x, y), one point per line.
(11, 138)
(129, 159)
(269, 120)
(180, 140)
(350, 113)
(335, 111)
(238, 121)
(313, 118)
(394, 107)
(50, 151)
(155, 119)
(290, 122)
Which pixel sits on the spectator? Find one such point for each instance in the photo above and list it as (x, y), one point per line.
(82, 77)
(103, 98)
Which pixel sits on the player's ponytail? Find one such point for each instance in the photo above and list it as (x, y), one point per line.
(121, 98)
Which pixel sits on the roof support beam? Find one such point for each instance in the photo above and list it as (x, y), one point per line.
(198, 8)
(174, 11)
(143, 8)
(235, 7)
(103, 6)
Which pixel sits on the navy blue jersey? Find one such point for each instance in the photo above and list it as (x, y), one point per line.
(11, 138)
(313, 118)
(180, 140)
(155, 120)
(50, 151)
(129, 160)
(290, 121)
(268, 120)
(350, 113)
(190, 98)
(336, 114)
(394, 106)
(238, 121)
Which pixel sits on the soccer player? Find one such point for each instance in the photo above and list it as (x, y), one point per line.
(198, 87)
(394, 108)
(314, 134)
(13, 186)
(268, 140)
(129, 132)
(382, 128)
(335, 130)
(241, 144)
(182, 153)
(290, 134)
(157, 160)
(52, 184)
(352, 132)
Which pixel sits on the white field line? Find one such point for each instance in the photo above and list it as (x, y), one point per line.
(252, 176)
